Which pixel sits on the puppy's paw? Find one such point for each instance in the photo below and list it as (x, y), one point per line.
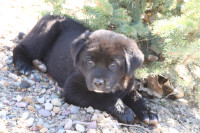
(39, 65)
(23, 67)
(127, 116)
(149, 118)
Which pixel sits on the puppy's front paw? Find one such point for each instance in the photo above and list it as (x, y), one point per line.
(127, 116)
(39, 65)
(149, 117)
(23, 67)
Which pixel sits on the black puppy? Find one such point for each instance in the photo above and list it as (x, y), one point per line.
(94, 68)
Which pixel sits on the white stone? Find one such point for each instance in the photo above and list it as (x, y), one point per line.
(48, 106)
(19, 98)
(94, 117)
(13, 76)
(43, 130)
(40, 100)
(56, 109)
(56, 102)
(68, 124)
(73, 109)
(80, 128)
(25, 115)
(90, 110)
(29, 122)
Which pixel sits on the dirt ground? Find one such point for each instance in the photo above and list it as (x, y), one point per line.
(179, 116)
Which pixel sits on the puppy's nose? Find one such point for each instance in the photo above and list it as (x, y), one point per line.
(98, 82)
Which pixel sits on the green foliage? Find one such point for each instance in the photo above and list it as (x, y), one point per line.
(181, 42)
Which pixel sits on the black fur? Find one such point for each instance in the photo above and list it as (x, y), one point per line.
(85, 63)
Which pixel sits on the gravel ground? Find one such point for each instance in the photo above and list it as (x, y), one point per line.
(33, 103)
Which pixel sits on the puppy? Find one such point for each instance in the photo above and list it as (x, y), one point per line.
(94, 68)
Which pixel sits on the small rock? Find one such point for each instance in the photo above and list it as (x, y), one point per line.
(52, 113)
(54, 96)
(73, 109)
(80, 128)
(94, 117)
(25, 115)
(25, 84)
(56, 102)
(56, 109)
(29, 100)
(44, 84)
(31, 108)
(40, 100)
(44, 113)
(43, 91)
(18, 98)
(93, 125)
(35, 128)
(37, 106)
(70, 131)
(90, 110)
(2, 127)
(173, 130)
(65, 112)
(61, 131)
(20, 35)
(21, 104)
(48, 106)
(43, 130)
(68, 124)
(29, 122)
(91, 131)
(13, 76)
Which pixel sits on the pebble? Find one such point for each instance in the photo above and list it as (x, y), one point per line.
(43, 130)
(37, 106)
(91, 131)
(68, 124)
(90, 110)
(94, 117)
(29, 100)
(48, 106)
(35, 128)
(29, 122)
(80, 128)
(56, 102)
(2, 127)
(13, 76)
(25, 115)
(52, 113)
(65, 112)
(40, 100)
(92, 125)
(31, 108)
(73, 109)
(18, 98)
(44, 112)
(21, 104)
(61, 131)
(25, 84)
(56, 109)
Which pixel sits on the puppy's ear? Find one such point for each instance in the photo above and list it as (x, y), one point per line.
(78, 45)
(134, 58)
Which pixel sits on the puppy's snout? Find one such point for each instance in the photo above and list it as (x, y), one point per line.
(98, 82)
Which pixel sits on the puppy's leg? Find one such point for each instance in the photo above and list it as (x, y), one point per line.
(76, 92)
(36, 43)
(135, 101)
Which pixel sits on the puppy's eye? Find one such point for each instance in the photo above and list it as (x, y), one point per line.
(90, 63)
(113, 65)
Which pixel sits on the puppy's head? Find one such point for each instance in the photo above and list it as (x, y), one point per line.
(106, 59)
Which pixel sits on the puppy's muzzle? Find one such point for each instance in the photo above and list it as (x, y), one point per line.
(98, 82)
